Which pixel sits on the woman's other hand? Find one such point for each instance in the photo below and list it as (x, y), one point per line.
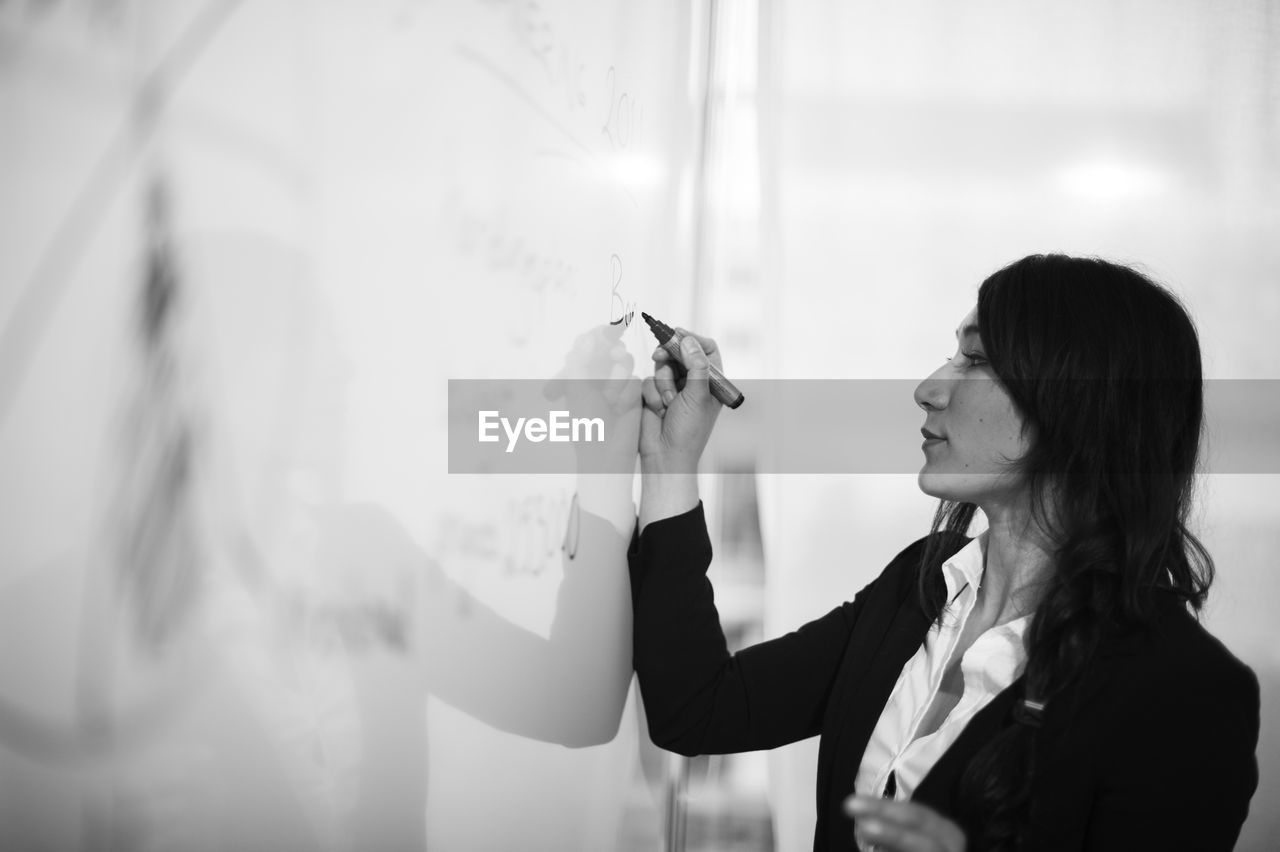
(598, 381)
(889, 826)
(679, 410)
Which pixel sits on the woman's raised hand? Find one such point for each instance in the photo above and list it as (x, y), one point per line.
(679, 410)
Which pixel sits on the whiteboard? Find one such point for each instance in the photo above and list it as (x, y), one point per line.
(245, 246)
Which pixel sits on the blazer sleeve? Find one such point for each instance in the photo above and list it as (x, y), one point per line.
(700, 699)
(1180, 774)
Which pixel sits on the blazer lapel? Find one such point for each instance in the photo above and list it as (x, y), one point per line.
(937, 788)
(862, 697)
(890, 630)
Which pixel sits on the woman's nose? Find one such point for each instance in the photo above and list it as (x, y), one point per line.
(932, 394)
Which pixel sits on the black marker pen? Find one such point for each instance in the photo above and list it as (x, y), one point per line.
(669, 339)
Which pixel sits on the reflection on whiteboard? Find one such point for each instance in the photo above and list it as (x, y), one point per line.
(244, 248)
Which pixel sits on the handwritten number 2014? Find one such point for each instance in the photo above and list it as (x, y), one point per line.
(620, 124)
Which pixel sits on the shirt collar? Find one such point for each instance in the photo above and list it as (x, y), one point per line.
(965, 567)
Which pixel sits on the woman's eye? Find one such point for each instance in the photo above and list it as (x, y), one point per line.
(975, 359)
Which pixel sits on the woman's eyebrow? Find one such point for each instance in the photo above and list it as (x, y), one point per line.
(969, 329)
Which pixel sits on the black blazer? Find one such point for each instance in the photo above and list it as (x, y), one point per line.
(1156, 753)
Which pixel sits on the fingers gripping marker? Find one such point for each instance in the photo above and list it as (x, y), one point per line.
(672, 341)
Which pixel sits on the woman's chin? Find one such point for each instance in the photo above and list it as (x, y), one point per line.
(929, 483)
(943, 486)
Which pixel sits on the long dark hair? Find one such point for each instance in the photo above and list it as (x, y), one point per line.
(1103, 364)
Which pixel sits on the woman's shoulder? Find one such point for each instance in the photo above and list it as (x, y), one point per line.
(1176, 637)
(1176, 655)
(1148, 692)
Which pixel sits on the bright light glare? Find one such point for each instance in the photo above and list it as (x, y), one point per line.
(1112, 180)
(636, 171)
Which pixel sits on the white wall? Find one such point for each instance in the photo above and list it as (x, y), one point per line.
(910, 149)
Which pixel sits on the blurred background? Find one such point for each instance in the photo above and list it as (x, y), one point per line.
(244, 247)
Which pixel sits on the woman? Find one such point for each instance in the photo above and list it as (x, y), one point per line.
(1042, 686)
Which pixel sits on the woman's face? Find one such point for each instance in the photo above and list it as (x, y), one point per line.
(979, 431)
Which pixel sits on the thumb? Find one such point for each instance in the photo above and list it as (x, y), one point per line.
(698, 369)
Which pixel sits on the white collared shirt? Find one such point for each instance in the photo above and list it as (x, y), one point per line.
(993, 661)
